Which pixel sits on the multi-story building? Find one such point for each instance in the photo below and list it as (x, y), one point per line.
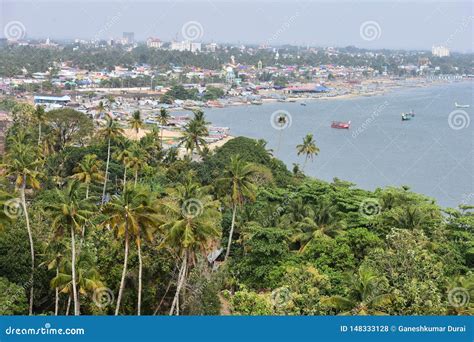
(154, 43)
(185, 46)
(128, 38)
(440, 51)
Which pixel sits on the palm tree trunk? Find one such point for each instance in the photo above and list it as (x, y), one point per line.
(73, 268)
(140, 272)
(87, 190)
(136, 178)
(124, 178)
(234, 211)
(39, 133)
(124, 273)
(161, 139)
(304, 164)
(181, 277)
(106, 172)
(68, 305)
(56, 295)
(32, 249)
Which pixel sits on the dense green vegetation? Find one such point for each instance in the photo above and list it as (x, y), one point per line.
(94, 223)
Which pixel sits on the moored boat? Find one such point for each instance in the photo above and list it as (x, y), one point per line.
(341, 124)
(461, 106)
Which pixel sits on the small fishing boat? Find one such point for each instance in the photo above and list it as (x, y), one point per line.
(341, 124)
(461, 106)
(406, 117)
(303, 103)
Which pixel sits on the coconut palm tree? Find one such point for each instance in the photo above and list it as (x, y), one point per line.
(88, 171)
(21, 163)
(137, 160)
(308, 148)
(123, 156)
(190, 221)
(39, 116)
(194, 133)
(110, 131)
(131, 214)
(69, 211)
(366, 296)
(88, 278)
(136, 121)
(238, 183)
(163, 119)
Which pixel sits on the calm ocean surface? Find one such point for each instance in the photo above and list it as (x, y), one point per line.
(379, 150)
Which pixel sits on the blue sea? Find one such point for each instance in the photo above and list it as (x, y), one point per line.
(432, 153)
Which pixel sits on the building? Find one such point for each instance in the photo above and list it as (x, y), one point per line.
(128, 38)
(185, 46)
(440, 51)
(46, 99)
(154, 43)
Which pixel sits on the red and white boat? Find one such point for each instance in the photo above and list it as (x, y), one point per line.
(341, 124)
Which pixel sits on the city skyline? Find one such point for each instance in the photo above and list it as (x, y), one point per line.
(406, 26)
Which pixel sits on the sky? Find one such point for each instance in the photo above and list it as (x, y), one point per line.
(400, 24)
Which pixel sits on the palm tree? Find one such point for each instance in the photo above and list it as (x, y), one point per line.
(130, 214)
(190, 220)
(123, 156)
(137, 160)
(136, 121)
(21, 163)
(366, 295)
(308, 148)
(40, 119)
(163, 119)
(88, 278)
(110, 131)
(70, 211)
(238, 183)
(88, 171)
(194, 133)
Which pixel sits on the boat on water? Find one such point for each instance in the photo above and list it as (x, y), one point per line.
(408, 116)
(461, 106)
(341, 124)
(303, 103)
(256, 102)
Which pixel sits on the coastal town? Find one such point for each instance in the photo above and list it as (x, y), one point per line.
(180, 87)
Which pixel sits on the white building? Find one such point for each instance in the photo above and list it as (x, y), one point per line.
(186, 46)
(440, 51)
(154, 43)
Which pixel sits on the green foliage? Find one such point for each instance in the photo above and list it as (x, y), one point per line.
(12, 298)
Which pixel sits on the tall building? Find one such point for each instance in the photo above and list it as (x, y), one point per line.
(128, 38)
(186, 46)
(440, 51)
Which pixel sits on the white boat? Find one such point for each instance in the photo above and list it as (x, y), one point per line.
(461, 106)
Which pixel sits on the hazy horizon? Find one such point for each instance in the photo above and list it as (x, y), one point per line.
(402, 24)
